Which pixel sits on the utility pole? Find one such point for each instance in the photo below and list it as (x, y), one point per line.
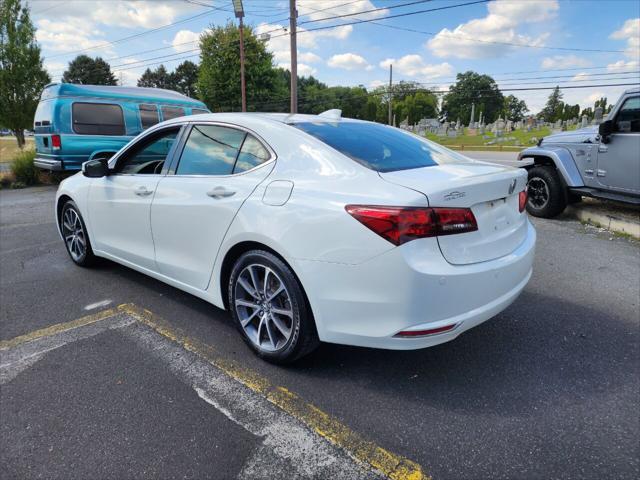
(390, 91)
(239, 11)
(293, 18)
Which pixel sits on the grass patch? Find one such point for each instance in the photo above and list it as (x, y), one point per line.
(522, 137)
(23, 169)
(9, 148)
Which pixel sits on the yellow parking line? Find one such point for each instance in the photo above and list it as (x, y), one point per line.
(58, 328)
(389, 464)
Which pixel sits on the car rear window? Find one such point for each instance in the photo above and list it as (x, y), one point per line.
(98, 119)
(198, 111)
(378, 147)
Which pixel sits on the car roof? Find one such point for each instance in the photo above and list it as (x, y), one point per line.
(242, 117)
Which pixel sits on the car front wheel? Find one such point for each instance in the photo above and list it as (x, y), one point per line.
(269, 308)
(547, 196)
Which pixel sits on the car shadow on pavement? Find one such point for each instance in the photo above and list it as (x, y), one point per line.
(539, 351)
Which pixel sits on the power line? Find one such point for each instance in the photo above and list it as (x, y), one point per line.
(364, 12)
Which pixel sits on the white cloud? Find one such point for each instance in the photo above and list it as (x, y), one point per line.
(349, 61)
(70, 35)
(304, 70)
(474, 39)
(377, 83)
(185, 40)
(564, 61)
(623, 66)
(414, 66)
(630, 32)
(279, 45)
(144, 14)
(310, 10)
(309, 57)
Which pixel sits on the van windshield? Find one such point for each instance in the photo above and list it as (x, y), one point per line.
(379, 147)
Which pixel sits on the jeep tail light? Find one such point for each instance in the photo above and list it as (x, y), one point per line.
(56, 142)
(402, 224)
(522, 200)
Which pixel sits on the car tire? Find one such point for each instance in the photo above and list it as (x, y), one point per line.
(75, 236)
(279, 327)
(546, 191)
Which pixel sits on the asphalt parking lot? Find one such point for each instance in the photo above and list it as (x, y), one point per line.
(106, 373)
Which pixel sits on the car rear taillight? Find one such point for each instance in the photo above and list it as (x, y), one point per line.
(402, 224)
(522, 200)
(56, 142)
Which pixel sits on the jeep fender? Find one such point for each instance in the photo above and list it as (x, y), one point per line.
(558, 157)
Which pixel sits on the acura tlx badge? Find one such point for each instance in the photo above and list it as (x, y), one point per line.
(512, 187)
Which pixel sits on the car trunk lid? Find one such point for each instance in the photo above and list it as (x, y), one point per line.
(490, 191)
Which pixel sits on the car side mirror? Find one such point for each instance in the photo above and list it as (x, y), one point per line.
(95, 168)
(605, 129)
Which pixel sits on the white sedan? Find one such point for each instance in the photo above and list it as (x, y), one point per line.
(309, 228)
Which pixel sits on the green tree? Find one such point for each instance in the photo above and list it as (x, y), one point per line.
(471, 87)
(219, 76)
(185, 78)
(89, 71)
(22, 76)
(554, 107)
(514, 108)
(158, 78)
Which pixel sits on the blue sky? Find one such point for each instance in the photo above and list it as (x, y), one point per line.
(501, 38)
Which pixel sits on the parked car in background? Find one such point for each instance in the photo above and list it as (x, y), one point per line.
(599, 161)
(75, 123)
(309, 227)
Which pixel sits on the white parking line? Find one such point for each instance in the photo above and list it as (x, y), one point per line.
(102, 303)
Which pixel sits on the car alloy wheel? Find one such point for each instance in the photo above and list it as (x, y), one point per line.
(263, 307)
(74, 235)
(538, 192)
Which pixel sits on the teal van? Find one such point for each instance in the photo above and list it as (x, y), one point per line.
(75, 123)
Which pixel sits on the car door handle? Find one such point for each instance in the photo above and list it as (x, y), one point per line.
(142, 191)
(220, 192)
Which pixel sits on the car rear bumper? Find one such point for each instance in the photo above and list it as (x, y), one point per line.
(48, 164)
(413, 288)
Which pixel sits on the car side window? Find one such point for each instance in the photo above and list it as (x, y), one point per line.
(210, 150)
(628, 118)
(149, 155)
(251, 155)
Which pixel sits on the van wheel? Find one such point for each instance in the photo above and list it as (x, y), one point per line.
(269, 308)
(547, 193)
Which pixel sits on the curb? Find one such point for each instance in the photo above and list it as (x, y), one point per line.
(624, 224)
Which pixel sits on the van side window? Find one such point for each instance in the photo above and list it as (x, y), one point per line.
(172, 112)
(97, 119)
(148, 115)
(198, 111)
